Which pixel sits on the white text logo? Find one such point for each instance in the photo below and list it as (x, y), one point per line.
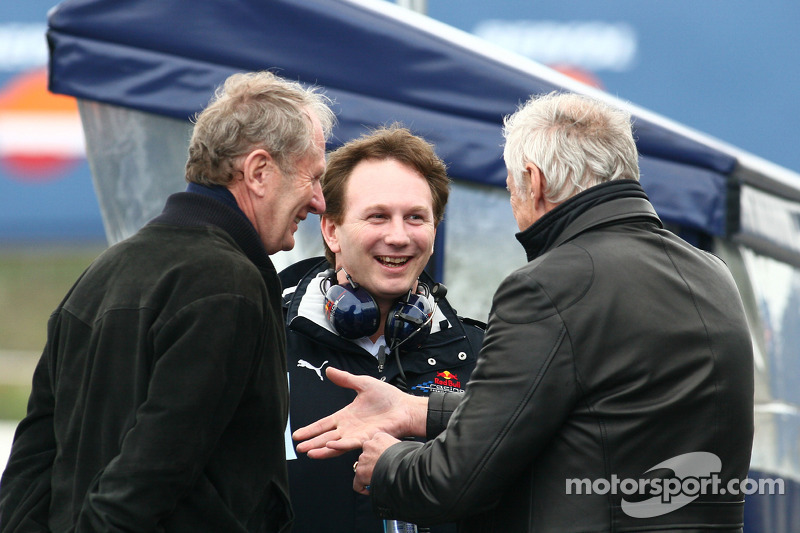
(694, 474)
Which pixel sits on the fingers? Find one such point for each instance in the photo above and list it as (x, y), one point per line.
(332, 448)
(320, 441)
(324, 453)
(315, 429)
(364, 468)
(345, 445)
(363, 474)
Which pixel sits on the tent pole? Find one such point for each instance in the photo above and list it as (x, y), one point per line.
(420, 6)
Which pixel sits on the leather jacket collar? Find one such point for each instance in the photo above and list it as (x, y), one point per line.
(601, 204)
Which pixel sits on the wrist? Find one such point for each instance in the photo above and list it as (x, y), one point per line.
(417, 418)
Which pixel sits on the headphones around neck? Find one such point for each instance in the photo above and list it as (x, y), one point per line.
(353, 312)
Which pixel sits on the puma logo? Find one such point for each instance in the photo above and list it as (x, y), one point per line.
(302, 363)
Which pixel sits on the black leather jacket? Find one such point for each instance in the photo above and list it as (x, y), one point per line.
(617, 348)
(322, 491)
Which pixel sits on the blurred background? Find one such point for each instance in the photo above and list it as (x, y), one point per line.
(728, 68)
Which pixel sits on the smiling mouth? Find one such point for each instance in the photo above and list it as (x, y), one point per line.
(392, 261)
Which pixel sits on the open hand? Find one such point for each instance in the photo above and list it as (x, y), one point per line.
(378, 406)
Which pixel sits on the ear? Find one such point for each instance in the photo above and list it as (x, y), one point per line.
(328, 228)
(537, 185)
(259, 169)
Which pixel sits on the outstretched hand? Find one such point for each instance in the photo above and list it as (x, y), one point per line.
(378, 406)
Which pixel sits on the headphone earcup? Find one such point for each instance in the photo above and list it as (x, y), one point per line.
(409, 317)
(352, 313)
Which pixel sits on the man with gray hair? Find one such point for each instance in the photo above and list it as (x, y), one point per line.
(160, 400)
(616, 365)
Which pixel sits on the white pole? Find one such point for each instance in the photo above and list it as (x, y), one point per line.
(420, 6)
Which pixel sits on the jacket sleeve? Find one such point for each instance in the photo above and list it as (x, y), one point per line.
(520, 393)
(25, 486)
(440, 408)
(204, 358)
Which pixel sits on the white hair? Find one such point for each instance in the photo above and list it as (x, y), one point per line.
(576, 141)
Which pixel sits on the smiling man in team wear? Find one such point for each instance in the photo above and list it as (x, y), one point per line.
(369, 308)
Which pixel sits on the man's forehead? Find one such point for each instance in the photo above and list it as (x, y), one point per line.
(385, 202)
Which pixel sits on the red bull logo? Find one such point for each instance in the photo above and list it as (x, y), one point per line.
(447, 379)
(328, 308)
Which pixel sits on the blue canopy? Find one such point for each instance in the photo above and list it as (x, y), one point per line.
(380, 63)
(377, 62)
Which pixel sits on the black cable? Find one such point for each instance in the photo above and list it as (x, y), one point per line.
(400, 381)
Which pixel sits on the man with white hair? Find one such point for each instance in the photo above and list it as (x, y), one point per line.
(617, 364)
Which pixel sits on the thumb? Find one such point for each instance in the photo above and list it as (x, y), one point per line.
(340, 377)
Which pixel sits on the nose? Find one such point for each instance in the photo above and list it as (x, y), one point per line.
(396, 234)
(317, 203)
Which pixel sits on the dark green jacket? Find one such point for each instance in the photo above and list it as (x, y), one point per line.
(160, 401)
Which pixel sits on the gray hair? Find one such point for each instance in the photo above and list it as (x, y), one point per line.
(255, 110)
(576, 141)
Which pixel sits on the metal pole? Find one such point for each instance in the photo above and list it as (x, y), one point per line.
(420, 6)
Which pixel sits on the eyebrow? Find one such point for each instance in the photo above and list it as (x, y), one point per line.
(386, 207)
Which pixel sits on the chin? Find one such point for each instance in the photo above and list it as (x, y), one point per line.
(273, 248)
(288, 242)
(396, 290)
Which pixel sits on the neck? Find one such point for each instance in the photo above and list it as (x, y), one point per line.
(385, 308)
(240, 194)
